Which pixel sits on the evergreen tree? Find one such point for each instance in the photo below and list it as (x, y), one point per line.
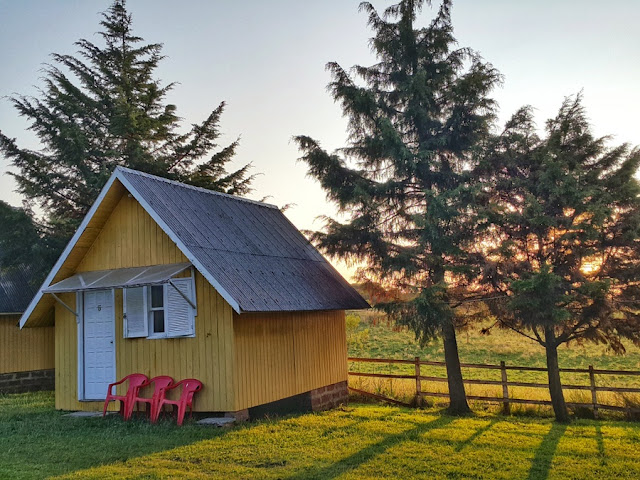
(23, 242)
(103, 108)
(414, 119)
(562, 229)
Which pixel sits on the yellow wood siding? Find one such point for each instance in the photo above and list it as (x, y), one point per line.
(283, 354)
(24, 350)
(131, 238)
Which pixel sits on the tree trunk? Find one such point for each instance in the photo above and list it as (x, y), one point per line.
(553, 372)
(457, 396)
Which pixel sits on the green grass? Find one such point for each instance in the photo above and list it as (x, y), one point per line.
(36, 441)
(358, 442)
(375, 337)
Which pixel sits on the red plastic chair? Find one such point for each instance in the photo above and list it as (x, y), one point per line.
(189, 388)
(135, 380)
(159, 383)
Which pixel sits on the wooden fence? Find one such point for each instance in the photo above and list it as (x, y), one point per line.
(504, 382)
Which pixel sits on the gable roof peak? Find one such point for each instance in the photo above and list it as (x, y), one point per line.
(131, 171)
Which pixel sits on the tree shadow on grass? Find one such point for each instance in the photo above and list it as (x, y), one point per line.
(541, 463)
(362, 456)
(42, 444)
(600, 443)
(475, 435)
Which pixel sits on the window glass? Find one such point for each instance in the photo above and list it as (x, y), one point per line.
(157, 296)
(158, 321)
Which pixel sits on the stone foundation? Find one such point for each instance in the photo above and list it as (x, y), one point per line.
(329, 396)
(32, 381)
(323, 398)
(239, 416)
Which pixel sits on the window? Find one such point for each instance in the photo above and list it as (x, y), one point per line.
(156, 311)
(160, 311)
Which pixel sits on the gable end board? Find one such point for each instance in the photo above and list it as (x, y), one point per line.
(65, 254)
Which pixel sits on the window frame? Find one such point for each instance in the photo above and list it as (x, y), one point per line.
(150, 309)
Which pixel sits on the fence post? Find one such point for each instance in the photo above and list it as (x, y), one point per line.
(506, 406)
(418, 382)
(594, 396)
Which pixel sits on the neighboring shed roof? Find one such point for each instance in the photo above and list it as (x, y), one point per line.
(249, 251)
(15, 290)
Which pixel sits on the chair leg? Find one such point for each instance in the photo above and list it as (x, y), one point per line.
(181, 411)
(148, 410)
(128, 411)
(156, 414)
(106, 404)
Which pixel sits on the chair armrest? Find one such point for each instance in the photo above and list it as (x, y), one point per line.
(118, 382)
(111, 385)
(171, 387)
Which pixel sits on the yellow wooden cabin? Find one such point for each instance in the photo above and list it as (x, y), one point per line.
(163, 278)
(26, 357)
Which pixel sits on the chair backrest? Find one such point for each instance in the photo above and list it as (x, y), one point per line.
(160, 382)
(135, 380)
(189, 387)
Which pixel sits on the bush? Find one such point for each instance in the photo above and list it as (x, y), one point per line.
(356, 337)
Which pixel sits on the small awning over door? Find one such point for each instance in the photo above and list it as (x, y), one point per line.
(118, 278)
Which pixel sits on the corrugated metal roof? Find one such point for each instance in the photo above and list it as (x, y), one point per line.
(15, 289)
(250, 248)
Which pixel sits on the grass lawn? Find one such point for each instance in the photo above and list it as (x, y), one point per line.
(357, 442)
(386, 341)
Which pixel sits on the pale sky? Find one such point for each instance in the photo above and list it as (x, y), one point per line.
(267, 59)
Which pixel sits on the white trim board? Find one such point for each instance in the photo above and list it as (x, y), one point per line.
(65, 254)
(80, 344)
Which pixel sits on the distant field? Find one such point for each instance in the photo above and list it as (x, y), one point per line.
(375, 337)
(356, 442)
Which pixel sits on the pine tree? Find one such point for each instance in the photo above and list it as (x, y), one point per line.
(414, 119)
(562, 230)
(22, 243)
(103, 108)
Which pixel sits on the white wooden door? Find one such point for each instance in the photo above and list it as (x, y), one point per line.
(99, 344)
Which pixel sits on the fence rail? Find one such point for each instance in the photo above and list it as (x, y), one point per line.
(504, 382)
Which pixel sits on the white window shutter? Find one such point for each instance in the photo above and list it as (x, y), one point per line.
(180, 313)
(135, 313)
